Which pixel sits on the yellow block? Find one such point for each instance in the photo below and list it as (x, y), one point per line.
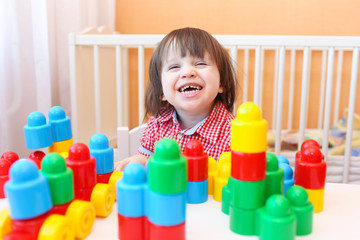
(316, 197)
(114, 177)
(57, 227)
(61, 146)
(103, 198)
(212, 171)
(5, 223)
(82, 216)
(223, 174)
(248, 130)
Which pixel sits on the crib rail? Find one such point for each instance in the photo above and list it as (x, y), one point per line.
(250, 51)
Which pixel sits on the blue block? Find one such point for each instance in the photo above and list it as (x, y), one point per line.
(197, 192)
(27, 190)
(282, 159)
(37, 132)
(166, 210)
(131, 191)
(288, 176)
(60, 124)
(102, 152)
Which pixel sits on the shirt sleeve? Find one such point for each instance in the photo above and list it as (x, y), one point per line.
(148, 138)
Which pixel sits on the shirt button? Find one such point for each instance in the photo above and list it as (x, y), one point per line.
(179, 136)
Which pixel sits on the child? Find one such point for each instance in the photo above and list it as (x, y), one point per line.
(190, 94)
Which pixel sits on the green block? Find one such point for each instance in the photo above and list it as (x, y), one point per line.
(242, 221)
(247, 195)
(274, 176)
(277, 221)
(303, 209)
(60, 178)
(167, 168)
(225, 200)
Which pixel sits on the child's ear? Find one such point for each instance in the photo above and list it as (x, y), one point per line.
(221, 89)
(163, 98)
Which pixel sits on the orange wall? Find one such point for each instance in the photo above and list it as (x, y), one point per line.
(252, 17)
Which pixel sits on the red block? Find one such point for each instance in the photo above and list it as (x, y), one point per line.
(249, 167)
(19, 236)
(310, 169)
(10, 156)
(4, 175)
(197, 161)
(29, 226)
(60, 209)
(84, 169)
(307, 143)
(132, 228)
(157, 232)
(36, 157)
(103, 178)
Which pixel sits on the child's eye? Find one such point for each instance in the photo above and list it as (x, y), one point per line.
(173, 67)
(200, 63)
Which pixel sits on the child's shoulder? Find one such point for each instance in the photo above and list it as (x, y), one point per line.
(164, 114)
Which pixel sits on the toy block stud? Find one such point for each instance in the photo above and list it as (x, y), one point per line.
(37, 131)
(211, 174)
(310, 169)
(221, 179)
(307, 143)
(274, 176)
(104, 156)
(25, 180)
(60, 178)
(248, 130)
(282, 159)
(302, 208)
(4, 175)
(131, 195)
(276, 220)
(37, 157)
(84, 170)
(10, 156)
(197, 161)
(288, 176)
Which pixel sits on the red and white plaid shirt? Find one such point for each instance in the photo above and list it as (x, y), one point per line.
(213, 132)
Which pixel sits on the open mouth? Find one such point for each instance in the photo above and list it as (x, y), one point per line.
(190, 89)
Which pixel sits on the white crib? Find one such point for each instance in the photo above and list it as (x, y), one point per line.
(249, 50)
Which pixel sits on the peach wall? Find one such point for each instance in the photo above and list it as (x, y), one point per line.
(253, 17)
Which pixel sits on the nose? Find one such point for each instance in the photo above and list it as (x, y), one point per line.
(188, 72)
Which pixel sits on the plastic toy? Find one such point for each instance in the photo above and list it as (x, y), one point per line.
(310, 173)
(4, 175)
(30, 204)
(85, 186)
(104, 156)
(223, 174)
(10, 156)
(37, 131)
(197, 166)
(212, 171)
(60, 129)
(274, 176)
(36, 157)
(288, 176)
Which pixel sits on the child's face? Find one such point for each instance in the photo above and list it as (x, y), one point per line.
(189, 83)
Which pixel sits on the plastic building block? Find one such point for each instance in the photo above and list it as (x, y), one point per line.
(225, 200)
(84, 170)
(242, 221)
(307, 143)
(310, 169)
(288, 176)
(197, 192)
(56, 226)
(36, 157)
(274, 176)
(302, 208)
(211, 174)
(114, 177)
(276, 220)
(157, 232)
(10, 156)
(60, 178)
(25, 180)
(37, 131)
(104, 156)
(60, 124)
(4, 175)
(30, 226)
(248, 130)
(247, 195)
(282, 159)
(197, 161)
(132, 228)
(223, 174)
(103, 198)
(61, 146)
(316, 197)
(167, 168)
(5, 223)
(82, 216)
(242, 162)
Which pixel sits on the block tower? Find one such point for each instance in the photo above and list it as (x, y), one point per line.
(246, 184)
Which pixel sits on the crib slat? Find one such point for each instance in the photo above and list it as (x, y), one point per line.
(322, 89)
(246, 75)
(303, 104)
(234, 57)
(350, 117)
(291, 88)
(280, 100)
(338, 85)
(97, 89)
(73, 87)
(276, 74)
(329, 82)
(119, 89)
(141, 71)
(257, 76)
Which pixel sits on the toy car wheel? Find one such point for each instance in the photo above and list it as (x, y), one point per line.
(82, 216)
(56, 227)
(103, 198)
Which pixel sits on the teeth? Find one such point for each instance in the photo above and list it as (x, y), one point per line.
(186, 87)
